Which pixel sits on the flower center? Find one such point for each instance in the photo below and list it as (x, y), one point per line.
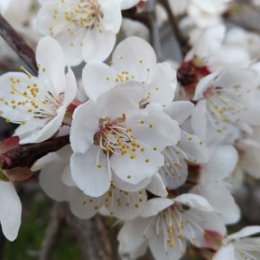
(33, 99)
(114, 137)
(87, 14)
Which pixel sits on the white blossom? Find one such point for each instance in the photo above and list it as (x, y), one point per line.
(226, 105)
(167, 225)
(240, 246)
(85, 29)
(113, 135)
(38, 104)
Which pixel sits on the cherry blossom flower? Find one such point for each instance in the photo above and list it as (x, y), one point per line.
(85, 29)
(113, 135)
(213, 51)
(167, 225)
(38, 104)
(133, 60)
(240, 245)
(226, 105)
(214, 185)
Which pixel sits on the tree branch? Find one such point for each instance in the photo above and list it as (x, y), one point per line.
(154, 30)
(181, 39)
(17, 43)
(52, 233)
(93, 237)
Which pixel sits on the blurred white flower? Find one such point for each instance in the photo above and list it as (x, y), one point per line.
(85, 29)
(240, 245)
(227, 103)
(167, 225)
(204, 13)
(56, 180)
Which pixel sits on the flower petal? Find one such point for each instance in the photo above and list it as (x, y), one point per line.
(83, 128)
(91, 179)
(155, 206)
(135, 56)
(179, 110)
(83, 206)
(52, 65)
(124, 205)
(97, 78)
(143, 166)
(10, 210)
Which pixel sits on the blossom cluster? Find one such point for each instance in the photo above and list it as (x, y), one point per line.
(160, 146)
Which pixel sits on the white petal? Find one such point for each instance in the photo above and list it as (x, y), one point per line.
(203, 84)
(93, 45)
(155, 206)
(220, 199)
(67, 178)
(112, 18)
(179, 110)
(199, 222)
(126, 186)
(245, 232)
(131, 235)
(50, 178)
(175, 169)
(70, 90)
(120, 100)
(157, 186)
(124, 205)
(194, 201)
(156, 129)
(71, 45)
(199, 119)
(194, 148)
(143, 166)
(83, 128)
(91, 179)
(222, 162)
(10, 210)
(46, 131)
(135, 56)
(97, 78)
(83, 206)
(225, 252)
(50, 57)
(162, 251)
(162, 84)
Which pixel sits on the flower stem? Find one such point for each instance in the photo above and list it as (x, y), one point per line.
(17, 43)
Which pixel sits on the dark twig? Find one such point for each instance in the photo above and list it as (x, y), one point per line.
(148, 18)
(53, 230)
(181, 39)
(17, 43)
(153, 26)
(26, 155)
